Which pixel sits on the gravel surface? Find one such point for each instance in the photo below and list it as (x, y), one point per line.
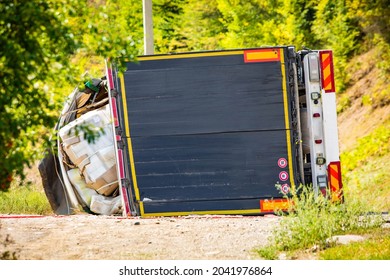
(86, 237)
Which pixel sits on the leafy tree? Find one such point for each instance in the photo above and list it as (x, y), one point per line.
(38, 38)
(248, 23)
(201, 26)
(295, 25)
(267, 22)
(338, 31)
(373, 20)
(34, 45)
(166, 16)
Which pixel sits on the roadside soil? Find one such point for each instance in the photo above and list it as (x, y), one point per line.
(87, 237)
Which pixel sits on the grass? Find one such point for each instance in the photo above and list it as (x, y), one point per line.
(314, 219)
(26, 197)
(366, 169)
(376, 247)
(376, 144)
(369, 183)
(24, 200)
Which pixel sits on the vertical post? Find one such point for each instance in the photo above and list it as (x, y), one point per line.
(148, 27)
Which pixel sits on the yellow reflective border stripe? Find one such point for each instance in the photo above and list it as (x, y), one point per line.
(286, 118)
(129, 143)
(188, 55)
(210, 212)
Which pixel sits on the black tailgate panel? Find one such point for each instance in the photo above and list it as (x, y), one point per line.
(206, 132)
(208, 166)
(204, 99)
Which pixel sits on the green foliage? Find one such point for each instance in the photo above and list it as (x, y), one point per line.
(377, 247)
(37, 41)
(29, 59)
(337, 30)
(313, 219)
(343, 103)
(200, 26)
(89, 132)
(269, 252)
(373, 21)
(366, 169)
(244, 20)
(374, 144)
(293, 24)
(369, 183)
(166, 15)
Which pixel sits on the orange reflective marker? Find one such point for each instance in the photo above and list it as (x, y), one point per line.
(262, 55)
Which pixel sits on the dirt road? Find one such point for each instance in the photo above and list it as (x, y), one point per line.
(85, 237)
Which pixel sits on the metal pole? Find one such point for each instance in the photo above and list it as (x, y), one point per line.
(148, 27)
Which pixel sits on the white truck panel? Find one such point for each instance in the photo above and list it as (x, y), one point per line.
(330, 127)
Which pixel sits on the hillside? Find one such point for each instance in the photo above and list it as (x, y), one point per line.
(364, 131)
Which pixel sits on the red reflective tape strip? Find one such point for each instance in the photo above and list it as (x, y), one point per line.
(110, 79)
(126, 200)
(118, 138)
(122, 176)
(121, 166)
(327, 71)
(115, 111)
(328, 83)
(325, 60)
(26, 216)
(263, 55)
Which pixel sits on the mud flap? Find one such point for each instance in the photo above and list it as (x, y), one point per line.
(52, 184)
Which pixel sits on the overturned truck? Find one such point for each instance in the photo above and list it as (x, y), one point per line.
(217, 132)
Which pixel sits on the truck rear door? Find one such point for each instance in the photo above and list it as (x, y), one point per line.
(205, 133)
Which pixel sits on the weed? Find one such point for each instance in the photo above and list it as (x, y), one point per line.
(268, 252)
(313, 219)
(367, 100)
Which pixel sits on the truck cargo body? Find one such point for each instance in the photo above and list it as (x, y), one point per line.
(207, 133)
(218, 132)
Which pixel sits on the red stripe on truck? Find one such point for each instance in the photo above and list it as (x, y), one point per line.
(335, 182)
(327, 71)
